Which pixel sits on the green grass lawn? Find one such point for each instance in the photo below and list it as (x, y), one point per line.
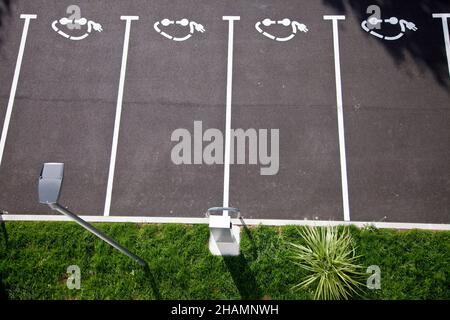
(34, 257)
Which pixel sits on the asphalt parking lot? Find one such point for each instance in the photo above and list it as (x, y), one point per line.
(385, 149)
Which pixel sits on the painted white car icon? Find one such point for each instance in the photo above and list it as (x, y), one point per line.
(193, 27)
(295, 26)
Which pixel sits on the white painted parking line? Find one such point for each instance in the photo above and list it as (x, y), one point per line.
(340, 114)
(12, 94)
(249, 222)
(444, 17)
(227, 157)
(123, 71)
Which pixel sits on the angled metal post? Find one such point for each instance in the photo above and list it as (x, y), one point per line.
(50, 183)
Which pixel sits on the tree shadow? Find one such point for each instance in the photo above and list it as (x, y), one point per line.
(5, 9)
(423, 47)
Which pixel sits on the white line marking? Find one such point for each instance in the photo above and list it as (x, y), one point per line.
(340, 114)
(226, 172)
(123, 71)
(12, 94)
(444, 17)
(268, 222)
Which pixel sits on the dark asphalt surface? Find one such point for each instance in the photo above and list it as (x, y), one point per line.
(396, 98)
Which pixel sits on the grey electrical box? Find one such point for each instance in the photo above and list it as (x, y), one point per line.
(50, 182)
(220, 227)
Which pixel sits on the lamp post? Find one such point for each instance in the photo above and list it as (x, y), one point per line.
(49, 189)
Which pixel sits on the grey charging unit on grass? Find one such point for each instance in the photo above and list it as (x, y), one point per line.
(224, 239)
(50, 183)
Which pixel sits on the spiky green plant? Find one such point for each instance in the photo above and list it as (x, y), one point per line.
(328, 255)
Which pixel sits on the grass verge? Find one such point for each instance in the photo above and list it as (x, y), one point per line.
(34, 257)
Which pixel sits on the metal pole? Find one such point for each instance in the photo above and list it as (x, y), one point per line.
(98, 233)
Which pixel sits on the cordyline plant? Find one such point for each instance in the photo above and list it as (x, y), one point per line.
(329, 257)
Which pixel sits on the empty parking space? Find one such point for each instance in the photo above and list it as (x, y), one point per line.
(287, 86)
(147, 182)
(170, 86)
(63, 112)
(307, 184)
(396, 100)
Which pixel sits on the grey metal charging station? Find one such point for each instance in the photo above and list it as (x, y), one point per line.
(224, 239)
(49, 189)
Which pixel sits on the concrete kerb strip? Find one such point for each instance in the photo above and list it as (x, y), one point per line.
(248, 222)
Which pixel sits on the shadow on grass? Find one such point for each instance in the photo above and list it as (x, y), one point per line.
(241, 273)
(254, 249)
(243, 277)
(4, 233)
(4, 236)
(3, 292)
(152, 282)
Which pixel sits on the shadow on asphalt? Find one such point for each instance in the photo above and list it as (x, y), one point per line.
(423, 47)
(5, 9)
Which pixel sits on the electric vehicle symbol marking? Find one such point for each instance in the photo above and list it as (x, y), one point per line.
(370, 24)
(193, 26)
(81, 22)
(296, 26)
